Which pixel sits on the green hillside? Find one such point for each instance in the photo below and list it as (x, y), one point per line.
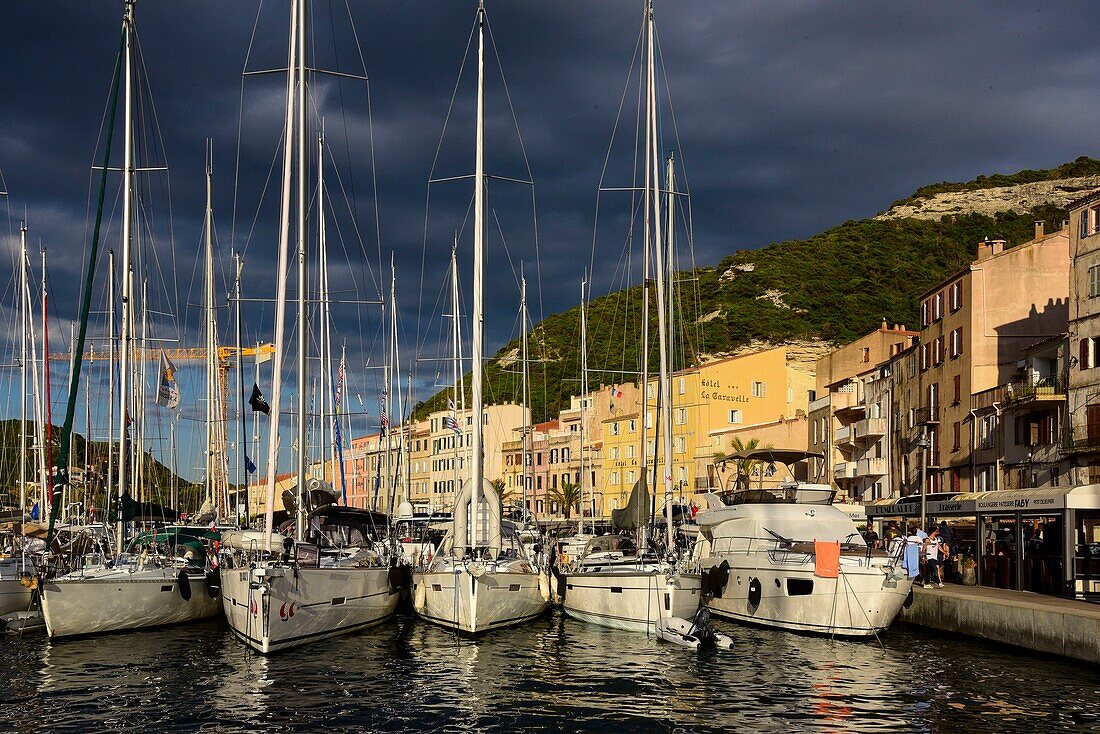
(159, 476)
(834, 286)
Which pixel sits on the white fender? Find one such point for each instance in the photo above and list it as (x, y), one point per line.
(544, 586)
(420, 596)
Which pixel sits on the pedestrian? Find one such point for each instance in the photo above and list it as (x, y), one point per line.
(933, 560)
(910, 558)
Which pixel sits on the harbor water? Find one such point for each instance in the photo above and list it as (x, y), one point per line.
(552, 675)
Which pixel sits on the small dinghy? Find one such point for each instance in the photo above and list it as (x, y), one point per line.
(19, 623)
(695, 633)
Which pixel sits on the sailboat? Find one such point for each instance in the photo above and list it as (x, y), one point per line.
(481, 577)
(161, 580)
(328, 574)
(620, 580)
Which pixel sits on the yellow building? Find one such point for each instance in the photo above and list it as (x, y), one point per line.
(711, 405)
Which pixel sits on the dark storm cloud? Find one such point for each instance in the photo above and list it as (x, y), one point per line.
(792, 116)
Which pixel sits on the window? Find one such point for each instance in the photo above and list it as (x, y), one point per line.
(736, 416)
(648, 420)
(987, 432)
(614, 453)
(924, 321)
(614, 478)
(911, 364)
(649, 391)
(565, 454)
(815, 433)
(681, 445)
(924, 351)
(866, 354)
(631, 450)
(956, 293)
(615, 428)
(933, 396)
(759, 389)
(633, 426)
(937, 307)
(1090, 221)
(681, 416)
(630, 477)
(790, 394)
(937, 351)
(1088, 353)
(1094, 281)
(681, 386)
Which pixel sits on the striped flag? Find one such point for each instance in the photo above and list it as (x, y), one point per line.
(451, 421)
(383, 416)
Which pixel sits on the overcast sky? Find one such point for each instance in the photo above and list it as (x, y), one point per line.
(792, 117)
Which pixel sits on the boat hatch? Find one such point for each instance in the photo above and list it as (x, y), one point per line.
(800, 587)
(338, 600)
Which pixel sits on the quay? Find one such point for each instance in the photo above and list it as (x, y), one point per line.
(1031, 621)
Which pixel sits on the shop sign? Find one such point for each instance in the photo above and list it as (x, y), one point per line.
(1021, 504)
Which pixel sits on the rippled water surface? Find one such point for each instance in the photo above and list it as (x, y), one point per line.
(555, 674)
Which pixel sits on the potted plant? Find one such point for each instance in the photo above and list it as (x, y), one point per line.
(968, 567)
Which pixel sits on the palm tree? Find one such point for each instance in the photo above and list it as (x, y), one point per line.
(566, 495)
(746, 467)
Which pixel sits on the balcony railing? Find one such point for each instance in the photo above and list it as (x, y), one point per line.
(870, 428)
(871, 467)
(928, 416)
(843, 435)
(844, 470)
(1038, 389)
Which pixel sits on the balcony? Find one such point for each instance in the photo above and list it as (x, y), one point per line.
(843, 436)
(844, 471)
(871, 467)
(1035, 392)
(928, 416)
(870, 429)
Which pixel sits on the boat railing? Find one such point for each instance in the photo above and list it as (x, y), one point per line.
(784, 551)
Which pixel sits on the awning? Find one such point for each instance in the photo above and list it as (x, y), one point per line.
(1083, 497)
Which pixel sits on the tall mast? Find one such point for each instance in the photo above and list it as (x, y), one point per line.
(389, 373)
(584, 387)
(126, 339)
(47, 428)
(664, 391)
(325, 405)
(212, 483)
(284, 257)
(137, 482)
(477, 474)
(459, 393)
(242, 448)
(24, 314)
(523, 462)
(300, 520)
(110, 484)
(643, 461)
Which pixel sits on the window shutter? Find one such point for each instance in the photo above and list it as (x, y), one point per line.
(1084, 357)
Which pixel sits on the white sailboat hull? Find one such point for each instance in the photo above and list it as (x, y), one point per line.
(14, 597)
(631, 600)
(275, 607)
(121, 599)
(861, 602)
(457, 599)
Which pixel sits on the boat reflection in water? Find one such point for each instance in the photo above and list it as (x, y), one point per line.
(553, 674)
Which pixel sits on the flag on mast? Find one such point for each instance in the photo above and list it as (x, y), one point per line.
(383, 416)
(257, 402)
(168, 394)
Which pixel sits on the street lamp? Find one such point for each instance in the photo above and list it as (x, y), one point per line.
(923, 444)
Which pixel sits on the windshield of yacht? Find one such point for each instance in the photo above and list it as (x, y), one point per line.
(611, 544)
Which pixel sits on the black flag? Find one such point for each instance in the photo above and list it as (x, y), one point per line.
(257, 402)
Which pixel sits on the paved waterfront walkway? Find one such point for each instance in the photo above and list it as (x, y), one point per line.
(1033, 621)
